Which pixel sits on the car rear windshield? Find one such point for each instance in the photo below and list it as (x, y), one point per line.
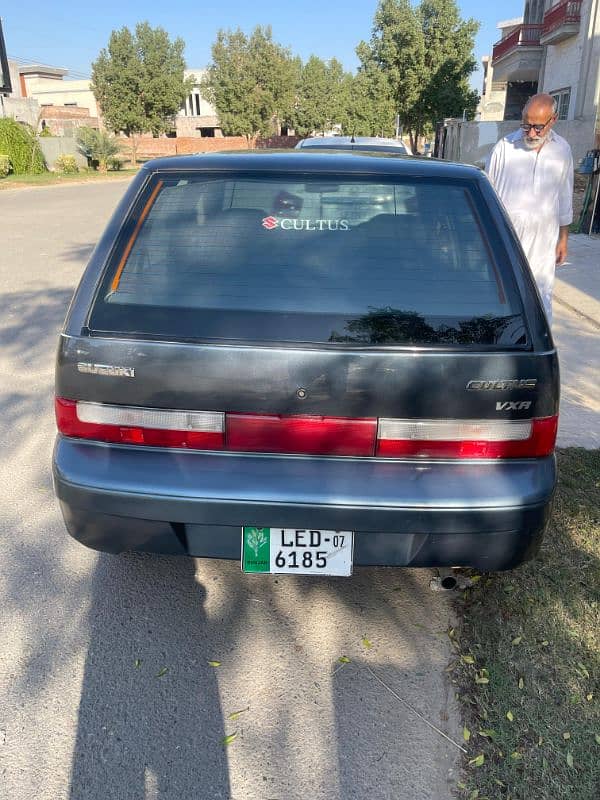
(340, 261)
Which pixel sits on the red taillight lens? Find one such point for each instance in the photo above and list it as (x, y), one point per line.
(332, 436)
(201, 430)
(466, 439)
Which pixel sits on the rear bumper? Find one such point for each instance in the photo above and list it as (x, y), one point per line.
(488, 515)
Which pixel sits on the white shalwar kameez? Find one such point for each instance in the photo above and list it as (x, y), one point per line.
(536, 187)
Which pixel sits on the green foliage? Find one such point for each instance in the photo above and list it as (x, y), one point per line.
(372, 110)
(19, 143)
(139, 80)
(252, 82)
(98, 146)
(425, 56)
(5, 166)
(45, 133)
(324, 98)
(66, 163)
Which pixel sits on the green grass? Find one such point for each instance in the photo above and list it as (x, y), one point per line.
(55, 178)
(534, 634)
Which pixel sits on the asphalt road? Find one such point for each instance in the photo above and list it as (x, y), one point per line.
(87, 709)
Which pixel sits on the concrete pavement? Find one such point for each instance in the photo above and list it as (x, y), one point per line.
(576, 330)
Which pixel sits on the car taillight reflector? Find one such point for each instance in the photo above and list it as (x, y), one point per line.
(132, 425)
(309, 435)
(466, 438)
(332, 436)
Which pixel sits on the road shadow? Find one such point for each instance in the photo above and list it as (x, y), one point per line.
(150, 724)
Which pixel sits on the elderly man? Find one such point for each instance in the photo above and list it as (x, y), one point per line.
(532, 172)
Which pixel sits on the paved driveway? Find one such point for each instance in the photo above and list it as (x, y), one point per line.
(84, 637)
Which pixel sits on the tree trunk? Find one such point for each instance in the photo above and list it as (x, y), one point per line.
(133, 146)
(412, 140)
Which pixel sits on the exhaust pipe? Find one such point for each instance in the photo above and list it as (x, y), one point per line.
(446, 581)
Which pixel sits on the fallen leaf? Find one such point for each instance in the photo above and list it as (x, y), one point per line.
(367, 643)
(516, 756)
(509, 716)
(540, 741)
(489, 734)
(137, 663)
(236, 714)
(477, 761)
(521, 683)
(162, 672)
(589, 697)
(214, 663)
(467, 659)
(499, 783)
(344, 660)
(229, 739)
(566, 735)
(475, 578)
(545, 643)
(583, 669)
(517, 640)
(570, 759)
(474, 794)
(466, 734)
(597, 738)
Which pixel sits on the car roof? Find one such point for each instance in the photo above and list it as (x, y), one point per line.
(344, 141)
(344, 162)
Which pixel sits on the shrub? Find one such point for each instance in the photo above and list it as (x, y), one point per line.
(98, 146)
(45, 132)
(116, 162)
(4, 166)
(66, 163)
(19, 143)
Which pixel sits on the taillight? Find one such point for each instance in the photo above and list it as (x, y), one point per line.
(332, 436)
(202, 430)
(309, 435)
(532, 438)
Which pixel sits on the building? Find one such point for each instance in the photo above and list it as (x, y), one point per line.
(554, 48)
(197, 117)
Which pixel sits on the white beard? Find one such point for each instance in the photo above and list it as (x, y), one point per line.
(533, 144)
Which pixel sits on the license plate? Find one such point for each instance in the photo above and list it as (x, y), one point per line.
(298, 551)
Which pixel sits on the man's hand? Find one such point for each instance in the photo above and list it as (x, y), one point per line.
(561, 247)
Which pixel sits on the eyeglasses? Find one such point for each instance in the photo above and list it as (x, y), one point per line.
(537, 128)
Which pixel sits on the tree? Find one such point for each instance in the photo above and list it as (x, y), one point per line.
(425, 55)
(324, 96)
(139, 81)
(397, 51)
(449, 63)
(252, 82)
(372, 110)
(97, 146)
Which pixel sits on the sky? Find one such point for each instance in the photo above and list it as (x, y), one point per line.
(70, 35)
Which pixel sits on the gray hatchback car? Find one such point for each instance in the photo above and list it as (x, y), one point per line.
(308, 361)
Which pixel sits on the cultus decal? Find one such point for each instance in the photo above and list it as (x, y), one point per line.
(287, 224)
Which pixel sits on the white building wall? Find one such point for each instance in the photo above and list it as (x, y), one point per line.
(575, 62)
(563, 62)
(58, 92)
(195, 100)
